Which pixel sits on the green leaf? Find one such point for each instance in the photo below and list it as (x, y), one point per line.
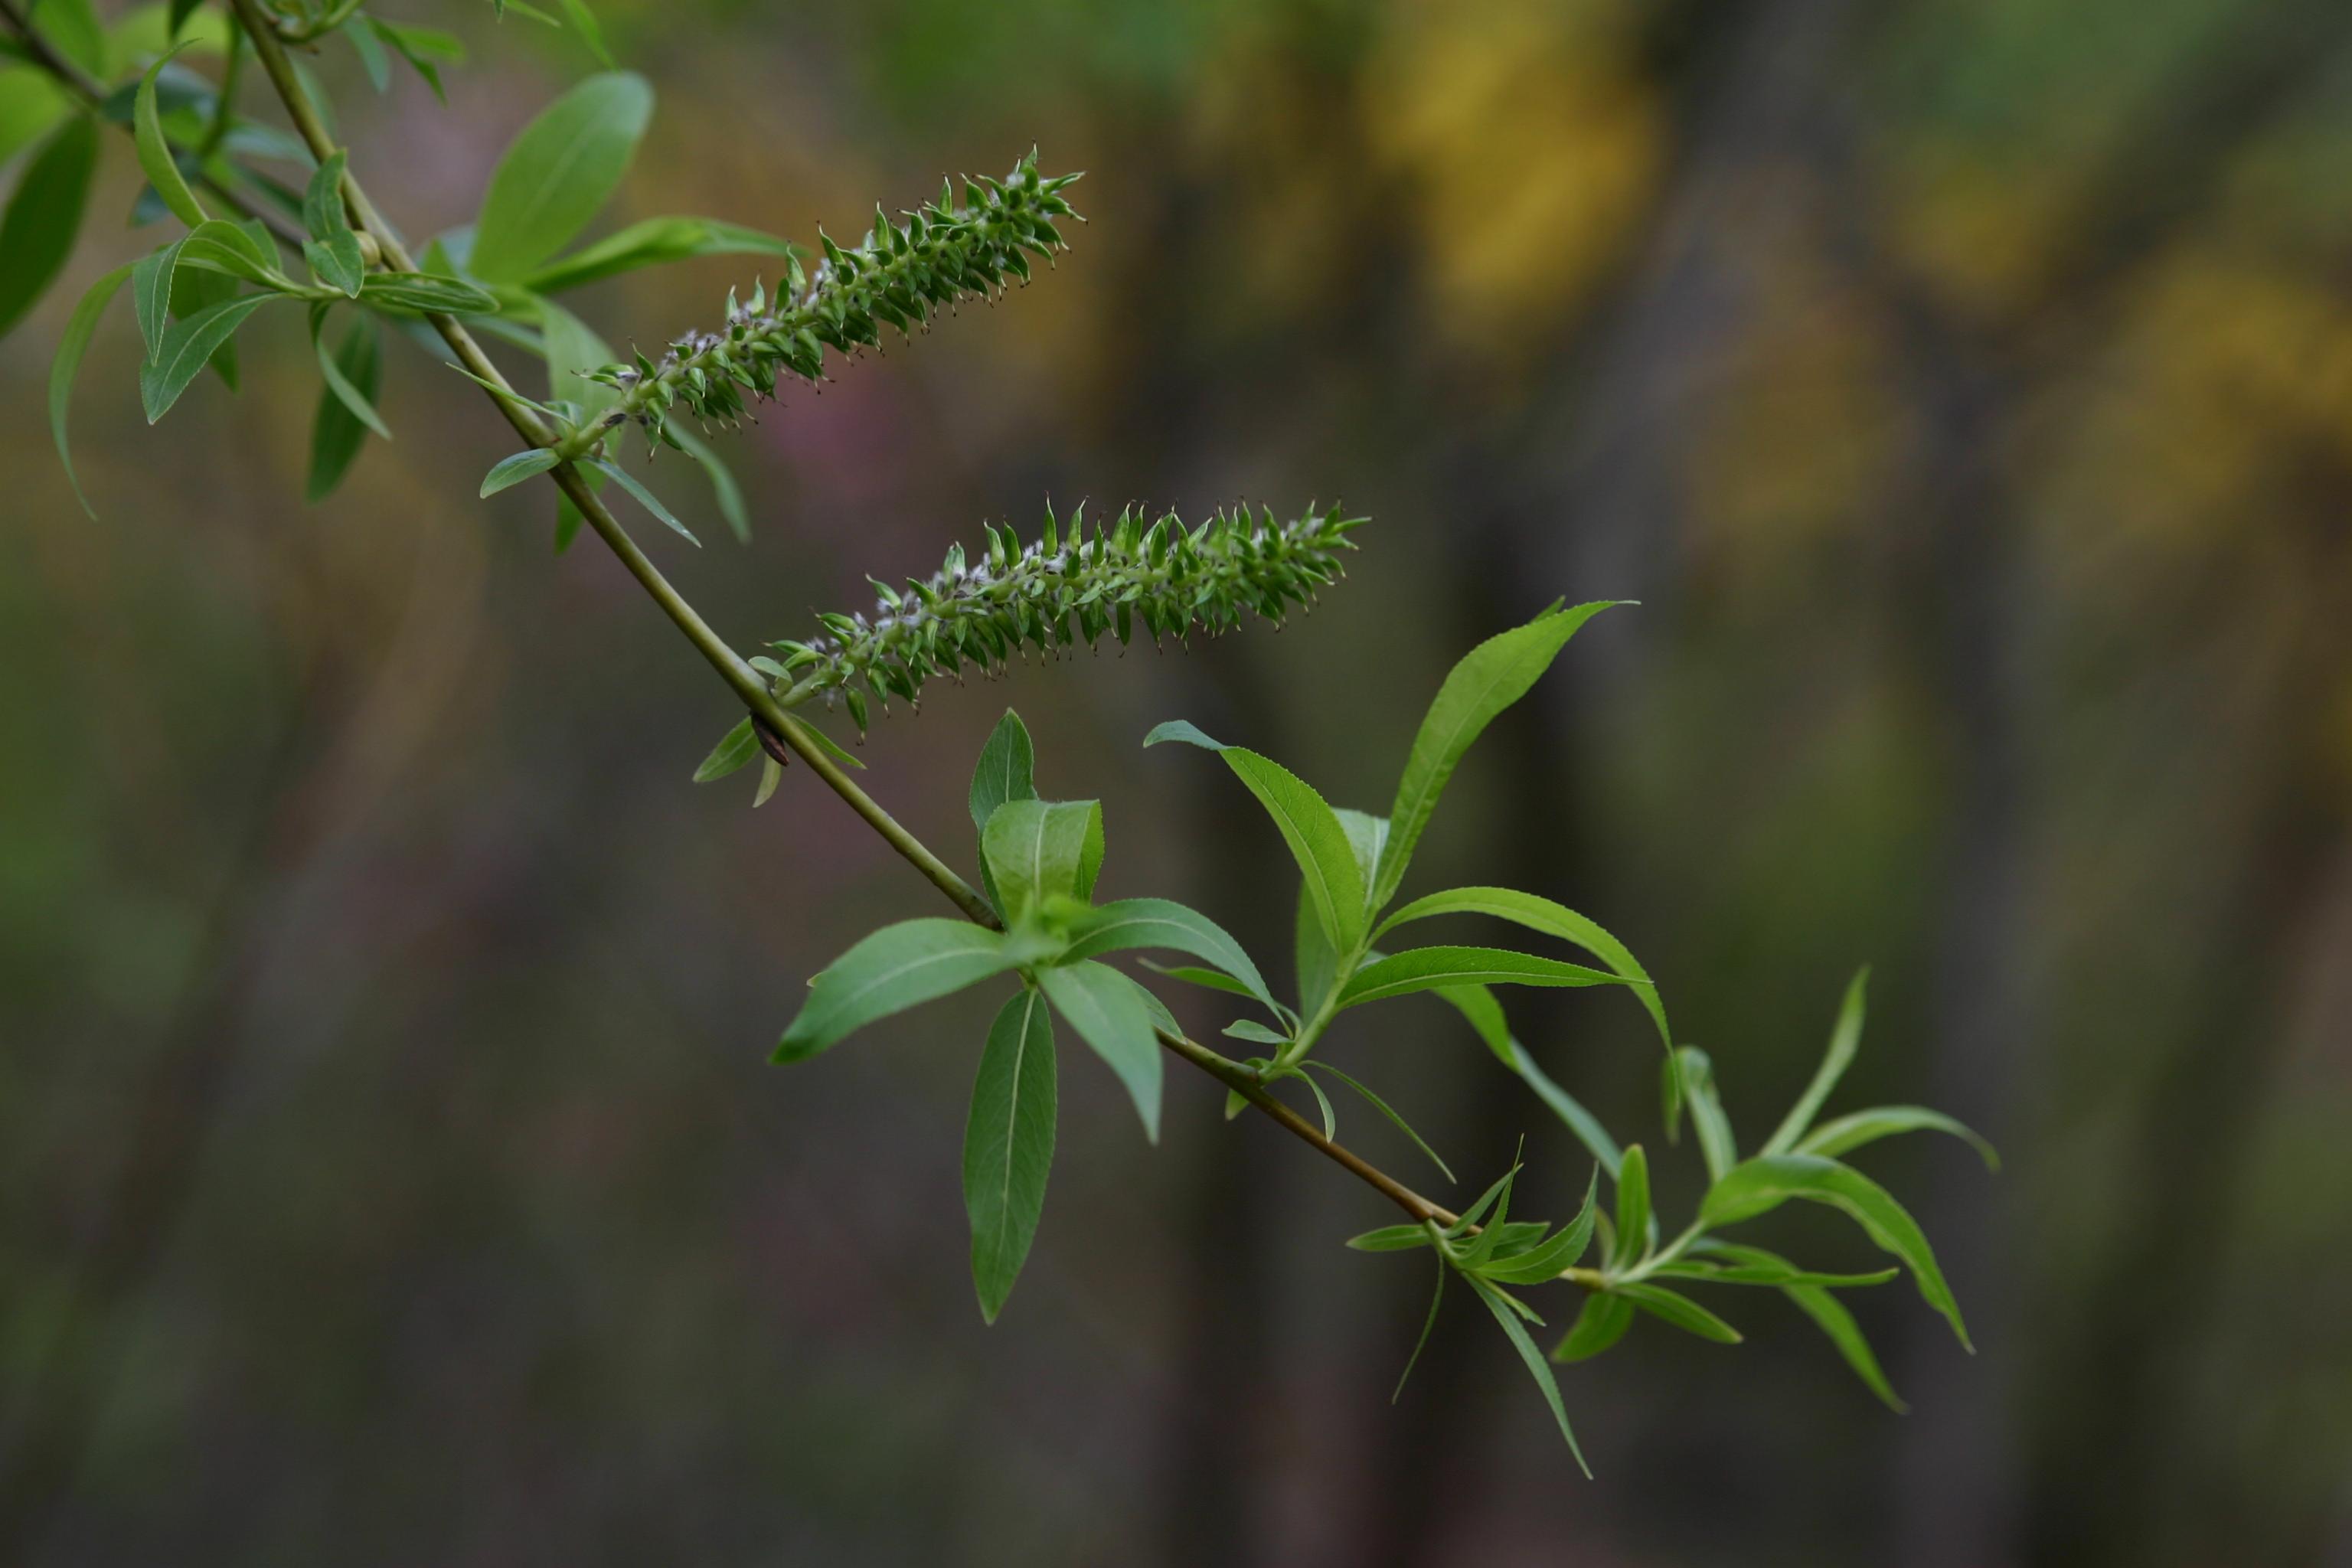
(1633, 1209)
(151, 293)
(1110, 1013)
(724, 491)
(1551, 918)
(333, 250)
(197, 288)
(155, 153)
(583, 21)
(1477, 1004)
(651, 243)
(1763, 1184)
(37, 230)
(354, 378)
(369, 49)
(1761, 1274)
(426, 49)
(1696, 1085)
(1828, 1313)
(557, 173)
(1845, 1040)
(1210, 978)
(896, 968)
(428, 292)
(1601, 1324)
(735, 750)
(1006, 771)
(1436, 1299)
(72, 26)
(522, 464)
(185, 348)
(1391, 1238)
(342, 384)
(829, 746)
(771, 773)
(71, 345)
(1382, 1106)
(1832, 1139)
(1314, 965)
(1008, 1145)
(30, 104)
(572, 348)
(222, 246)
(1433, 968)
(644, 498)
(1681, 1311)
(1538, 1368)
(1131, 923)
(1490, 679)
(1038, 850)
(1317, 840)
(1545, 1260)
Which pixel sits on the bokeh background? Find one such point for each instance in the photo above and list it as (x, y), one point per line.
(390, 1170)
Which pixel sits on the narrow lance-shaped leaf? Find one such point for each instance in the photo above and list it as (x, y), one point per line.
(1108, 1011)
(151, 294)
(1548, 1258)
(1008, 1145)
(649, 243)
(1309, 826)
(1478, 1005)
(1633, 1209)
(71, 345)
(1382, 1106)
(37, 230)
(1681, 1311)
(1828, 1314)
(332, 249)
(1130, 923)
(185, 348)
(1845, 1040)
(1538, 1368)
(510, 471)
(1764, 1183)
(155, 153)
(735, 750)
(896, 968)
(1006, 771)
(1832, 1139)
(558, 172)
(1437, 968)
(1436, 1299)
(644, 497)
(1553, 919)
(353, 375)
(1716, 1143)
(1600, 1325)
(1490, 679)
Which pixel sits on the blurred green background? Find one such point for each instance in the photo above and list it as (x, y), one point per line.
(390, 1172)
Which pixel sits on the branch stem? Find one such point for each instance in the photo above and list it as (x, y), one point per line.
(750, 686)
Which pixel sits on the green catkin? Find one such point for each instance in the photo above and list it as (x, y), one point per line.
(1065, 588)
(900, 277)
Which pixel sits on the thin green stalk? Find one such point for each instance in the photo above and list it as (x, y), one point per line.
(749, 685)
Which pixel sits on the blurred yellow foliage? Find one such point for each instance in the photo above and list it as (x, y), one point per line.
(1531, 140)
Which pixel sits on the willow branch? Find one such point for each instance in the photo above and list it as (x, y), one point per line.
(750, 686)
